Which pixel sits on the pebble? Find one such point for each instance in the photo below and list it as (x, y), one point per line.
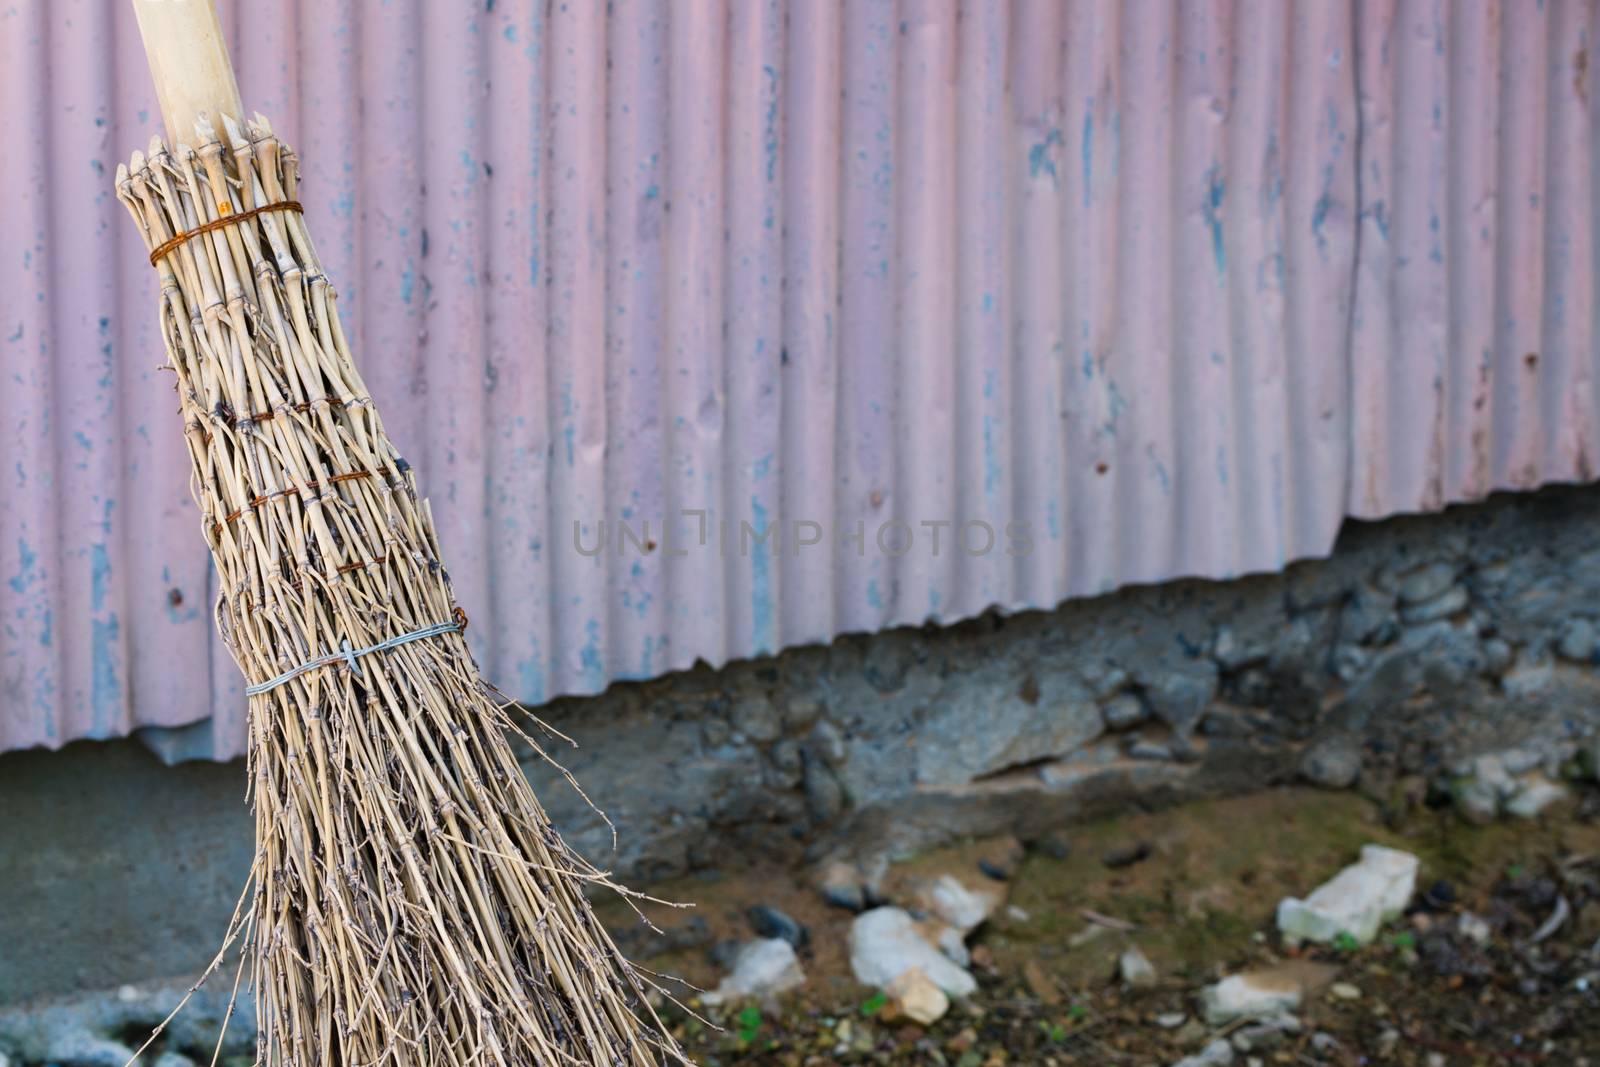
(1001, 860)
(1262, 1037)
(762, 969)
(1127, 855)
(915, 997)
(770, 922)
(1149, 750)
(1534, 794)
(1356, 901)
(1260, 994)
(958, 904)
(840, 885)
(1578, 640)
(1332, 763)
(1388, 1041)
(1124, 712)
(885, 943)
(1171, 1020)
(1344, 991)
(1325, 1043)
(1217, 1054)
(1473, 928)
(1451, 602)
(1427, 583)
(1135, 968)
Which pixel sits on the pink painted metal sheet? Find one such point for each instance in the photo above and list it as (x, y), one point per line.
(704, 322)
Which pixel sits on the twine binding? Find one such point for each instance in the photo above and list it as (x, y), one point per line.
(228, 219)
(349, 655)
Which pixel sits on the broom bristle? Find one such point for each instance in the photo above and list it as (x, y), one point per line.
(411, 902)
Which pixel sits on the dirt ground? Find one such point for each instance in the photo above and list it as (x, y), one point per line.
(1200, 905)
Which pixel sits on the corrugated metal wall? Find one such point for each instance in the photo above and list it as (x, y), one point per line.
(1176, 285)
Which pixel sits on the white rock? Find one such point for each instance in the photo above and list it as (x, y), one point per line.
(959, 905)
(1533, 794)
(1217, 1054)
(1251, 996)
(1345, 991)
(83, 1049)
(1473, 928)
(1171, 1020)
(885, 943)
(952, 944)
(915, 996)
(1135, 968)
(1356, 901)
(761, 969)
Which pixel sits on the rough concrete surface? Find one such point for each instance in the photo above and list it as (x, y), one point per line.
(1421, 643)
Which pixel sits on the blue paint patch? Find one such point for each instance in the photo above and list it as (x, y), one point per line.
(25, 576)
(530, 680)
(408, 280)
(761, 605)
(770, 135)
(1160, 469)
(1319, 218)
(988, 303)
(874, 598)
(105, 694)
(1041, 157)
(1216, 192)
(593, 673)
(1087, 150)
(510, 33)
(99, 576)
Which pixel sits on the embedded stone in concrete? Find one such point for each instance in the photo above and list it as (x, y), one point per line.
(885, 943)
(1356, 901)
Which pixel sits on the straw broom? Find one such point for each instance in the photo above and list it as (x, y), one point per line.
(411, 903)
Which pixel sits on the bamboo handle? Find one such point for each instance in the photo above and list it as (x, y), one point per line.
(189, 63)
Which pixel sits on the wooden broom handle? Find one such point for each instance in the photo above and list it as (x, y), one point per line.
(189, 63)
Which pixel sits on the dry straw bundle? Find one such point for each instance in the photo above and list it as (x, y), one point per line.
(411, 902)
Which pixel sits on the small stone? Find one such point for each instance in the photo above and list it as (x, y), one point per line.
(1217, 1054)
(1473, 928)
(824, 795)
(1124, 711)
(1261, 1037)
(1453, 602)
(915, 997)
(1388, 1041)
(1533, 795)
(1577, 641)
(1180, 699)
(828, 743)
(962, 1041)
(1333, 762)
(1532, 673)
(770, 922)
(1171, 1020)
(1261, 994)
(1436, 1059)
(761, 969)
(1344, 991)
(1127, 855)
(756, 718)
(80, 1048)
(1497, 655)
(1356, 901)
(1002, 858)
(885, 943)
(1135, 968)
(840, 885)
(800, 712)
(1149, 750)
(1427, 583)
(1017, 915)
(959, 905)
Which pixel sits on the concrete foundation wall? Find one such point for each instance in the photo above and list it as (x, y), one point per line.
(1421, 642)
